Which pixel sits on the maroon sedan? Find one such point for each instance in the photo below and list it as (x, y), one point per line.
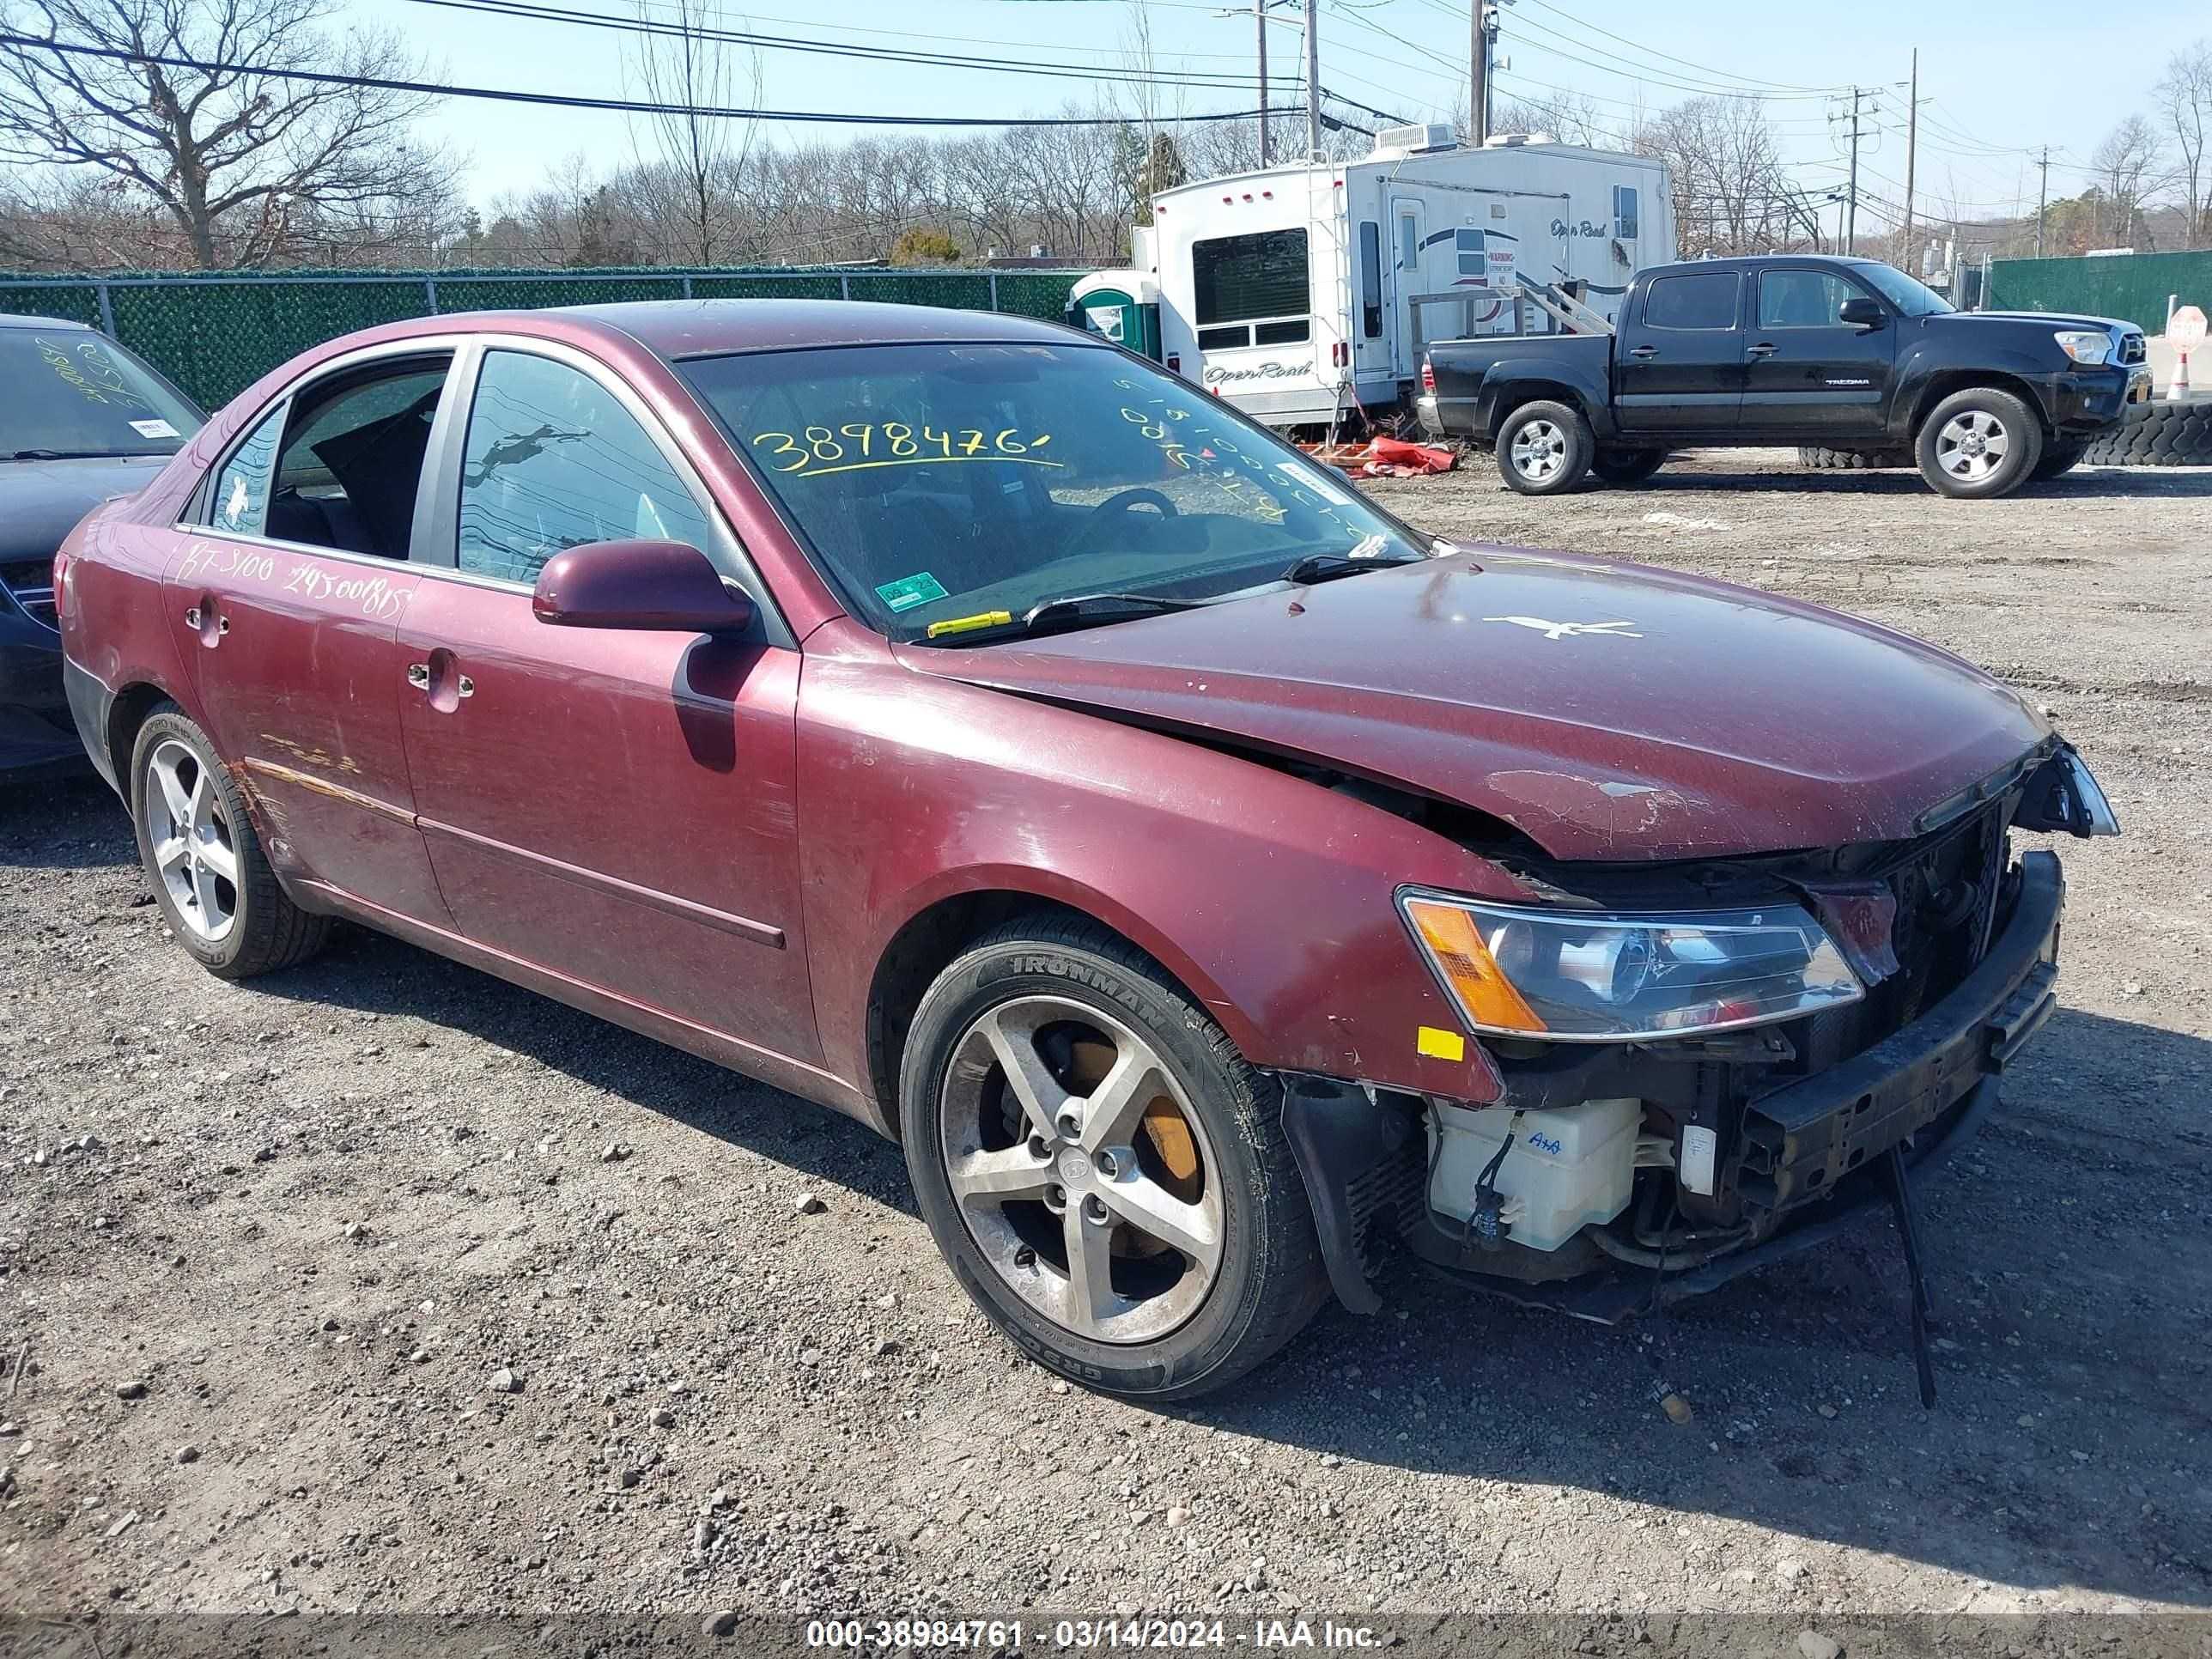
(1215, 884)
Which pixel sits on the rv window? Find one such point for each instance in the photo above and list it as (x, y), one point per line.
(1409, 241)
(1238, 278)
(1624, 212)
(1290, 333)
(1470, 253)
(1221, 339)
(1706, 299)
(1370, 278)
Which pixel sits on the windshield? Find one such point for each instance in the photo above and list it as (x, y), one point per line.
(74, 392)
(968, 482)
(1914, 298)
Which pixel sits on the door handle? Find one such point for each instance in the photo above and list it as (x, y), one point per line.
(418, 676)
(1762, 348)
(1643, 351)
(209, 624)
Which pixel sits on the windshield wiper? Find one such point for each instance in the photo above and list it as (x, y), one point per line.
(1073, 606)
(80, 455)
(1328, 567)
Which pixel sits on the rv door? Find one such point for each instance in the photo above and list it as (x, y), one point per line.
(1409, 234)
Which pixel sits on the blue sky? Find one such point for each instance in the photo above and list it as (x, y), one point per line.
(1996, 82)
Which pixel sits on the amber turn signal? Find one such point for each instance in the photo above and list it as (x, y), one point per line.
(1456, 948)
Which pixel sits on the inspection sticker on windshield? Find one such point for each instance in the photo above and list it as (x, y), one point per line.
(909, 591)
(155, 430)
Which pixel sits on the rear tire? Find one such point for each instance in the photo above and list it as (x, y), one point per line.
(1012, 1175)
(1979, 444)
(1545, 448)
(1627, 466)
(2059, 458)
(210, 875)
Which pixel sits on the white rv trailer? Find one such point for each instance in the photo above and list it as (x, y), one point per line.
(1303, 291)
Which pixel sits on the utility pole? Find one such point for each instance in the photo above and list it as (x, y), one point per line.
(1478, 73)
(1851, 202)
(2042, 200)
(1260, 17)
(1912, 153)
(1313, 77)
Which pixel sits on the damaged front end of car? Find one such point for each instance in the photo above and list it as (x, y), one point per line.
(1704, 1067)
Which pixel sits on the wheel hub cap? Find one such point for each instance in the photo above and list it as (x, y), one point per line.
(1081, 1170)
(195, 858)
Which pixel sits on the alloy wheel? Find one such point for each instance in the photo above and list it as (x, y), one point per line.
(1540, 449)
(194, 853)
(1081, 1170)
(1972, 444)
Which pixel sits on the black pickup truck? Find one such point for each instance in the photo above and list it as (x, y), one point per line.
(1850, 358)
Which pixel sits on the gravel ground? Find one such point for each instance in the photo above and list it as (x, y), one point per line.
(380, 1285)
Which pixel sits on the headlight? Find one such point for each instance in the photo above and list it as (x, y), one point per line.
(2085, 345)
(1569, 977)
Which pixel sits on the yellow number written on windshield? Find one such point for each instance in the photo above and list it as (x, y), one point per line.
(820, 449)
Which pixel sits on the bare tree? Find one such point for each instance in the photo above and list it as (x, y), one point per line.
(241, 160)
(2126, 167)
(2184, 99)
(1571, 118)
(1731, 194)
(684, 61)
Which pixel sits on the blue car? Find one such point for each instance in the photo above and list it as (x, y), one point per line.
(83, 420)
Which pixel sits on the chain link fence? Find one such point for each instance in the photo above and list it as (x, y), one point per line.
(216, 335)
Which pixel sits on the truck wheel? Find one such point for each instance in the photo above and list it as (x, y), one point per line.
(215, 889)
(1627, 466)
(1979, 443)
(1107, 1176)
(2058, 458)
(1545, 448)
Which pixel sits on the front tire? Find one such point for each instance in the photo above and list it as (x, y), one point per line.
(210, 875)
(1979, 444)
(1627, 466)
(1545, 448)
(1107, 1176)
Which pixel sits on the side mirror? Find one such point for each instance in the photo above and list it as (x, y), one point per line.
(1860, 312)
(665, 586)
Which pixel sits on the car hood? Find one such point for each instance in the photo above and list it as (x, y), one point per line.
(40, 502)
(1605, 710)
(2052, 319)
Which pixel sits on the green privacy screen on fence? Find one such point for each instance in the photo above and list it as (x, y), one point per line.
(215, 336)
(2130, 286)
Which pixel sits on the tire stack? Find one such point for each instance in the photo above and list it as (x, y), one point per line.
(2169, 434)
(1852, 460)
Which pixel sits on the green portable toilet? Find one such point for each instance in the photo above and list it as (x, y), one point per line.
(1121, 306)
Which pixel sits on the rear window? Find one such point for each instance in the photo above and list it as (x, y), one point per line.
(1705, 299)
(1247, 278)
(71, 391)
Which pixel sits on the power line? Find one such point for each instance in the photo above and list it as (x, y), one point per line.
(567, 100)
(538, 11)
(1771, 86)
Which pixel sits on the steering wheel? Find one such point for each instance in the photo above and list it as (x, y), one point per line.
(1108, 511)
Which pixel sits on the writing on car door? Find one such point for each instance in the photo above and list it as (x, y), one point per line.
(295, 565)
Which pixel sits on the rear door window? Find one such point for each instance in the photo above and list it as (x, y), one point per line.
(1704, 299)
(239, 500)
